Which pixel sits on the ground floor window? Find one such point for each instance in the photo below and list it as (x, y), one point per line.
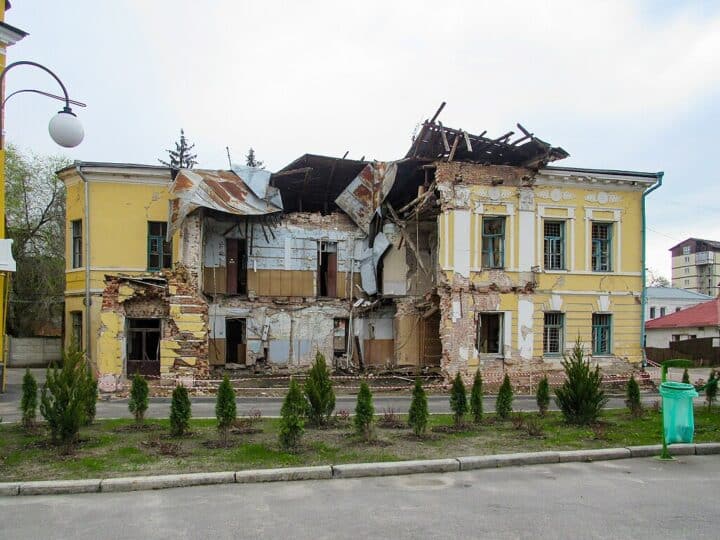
(601, 333)
(76, 320)
(553, 333)
(489, 333)
(143, 346)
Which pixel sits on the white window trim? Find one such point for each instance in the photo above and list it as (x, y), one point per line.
(569, 236)
(509, 215)
(616, 260)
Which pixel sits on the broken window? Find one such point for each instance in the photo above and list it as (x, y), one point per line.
(76, 336)
(159, 253)
(601, 333)
(77, 243)
(236, 265)
(554, 245)
(327, 270)
(493, 242)
(489, 333)
(601, 247)
(236, 338)
(553, 333)
(340, 328)
(143, 346)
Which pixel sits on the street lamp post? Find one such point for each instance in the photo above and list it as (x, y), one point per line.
(67, 131)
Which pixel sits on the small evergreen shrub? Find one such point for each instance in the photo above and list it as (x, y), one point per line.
(581, 397)
(503, 404)
(90, 391)
(180, 412)
(458, 399)
(686, 376)
(632, 397)
(225, 408)
(63, 399)
(542, 396)
(319, 392)
(138, 402)
(29, 400)
(476, 398)
(291, 417)
(364, 412)
(418, 414)
(711, 388)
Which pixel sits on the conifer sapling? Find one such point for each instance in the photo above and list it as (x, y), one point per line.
(418, 414)
(632, 397)
(458, 399)
(29, 401)
(581, 397)
(503, 404)
(179, 411)
(542, 396)
(364, 412)
(291, 417)
(711, 388)
(686, 377)
(476, 398)
(225, 408)
(319, 392)
(138, 403)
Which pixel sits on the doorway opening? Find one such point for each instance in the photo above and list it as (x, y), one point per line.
(327, 270)
(235, 336)
(236, 265)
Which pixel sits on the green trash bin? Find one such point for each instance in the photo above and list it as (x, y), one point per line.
(678, 413)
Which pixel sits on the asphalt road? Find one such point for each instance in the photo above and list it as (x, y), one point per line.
(638, 498)
(204, 407)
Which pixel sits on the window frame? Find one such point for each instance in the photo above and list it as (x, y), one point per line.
(560, 337)
(557, 243)
(76, 243)
(652, 312)
(601, 334)
(500, 330)
(164, 257)
(597, 253)
(489, 252)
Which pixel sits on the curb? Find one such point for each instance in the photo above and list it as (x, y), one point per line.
(350, 470)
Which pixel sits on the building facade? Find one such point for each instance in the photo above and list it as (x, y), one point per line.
(663, 301)
(696, 266)
(467, 253)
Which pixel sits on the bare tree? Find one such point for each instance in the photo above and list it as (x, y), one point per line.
(35, 214)
(657, 280)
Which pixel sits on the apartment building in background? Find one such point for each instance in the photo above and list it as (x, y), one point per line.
(696, 266)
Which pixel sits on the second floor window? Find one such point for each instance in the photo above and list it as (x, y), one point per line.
(554, 245)
(77, 243)
(601, 247)
(159, 253)
(652, 312)
(493, 242)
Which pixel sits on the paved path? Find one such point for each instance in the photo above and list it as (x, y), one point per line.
(636, 498)
(204, 407)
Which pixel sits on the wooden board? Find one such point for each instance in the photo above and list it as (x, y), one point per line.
(379, 353)
(214, 280)
(216, 352)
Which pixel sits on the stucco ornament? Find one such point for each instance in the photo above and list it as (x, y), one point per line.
(555, 195)
(603, 197)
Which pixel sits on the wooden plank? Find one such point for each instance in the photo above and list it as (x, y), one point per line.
(467, 141)
(214, 280)
(332, 275)
(232, 264)
(445, 142)
(437, 113)
(454, 147)
(216, 352)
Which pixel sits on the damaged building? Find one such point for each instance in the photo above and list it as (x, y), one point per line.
(469, 251)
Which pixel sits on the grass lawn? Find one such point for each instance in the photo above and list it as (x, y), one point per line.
(112, 448)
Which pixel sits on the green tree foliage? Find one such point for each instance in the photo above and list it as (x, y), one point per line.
(711, 388)
(458, 399)
(581, 397)
(476, 398)
(364, 412)
(292, 425)
(542, 396)
(632, 397)
(225, 408)
(29, 400)
(63, 400)
(35, 217)
(138, 403)
(182, 157)
(90, 392)
(418, 414)
(503, 404)
(319, 392)
(179, 412)
(686, 376)
(251, 160)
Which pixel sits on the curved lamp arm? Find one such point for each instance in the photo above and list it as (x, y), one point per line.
(47, 94)
(29, 63)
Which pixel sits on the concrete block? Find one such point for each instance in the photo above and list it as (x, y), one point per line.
(358, 470)
(527, 458)
(166, 481)
(470, 463)
(650, 450)
(60, 487)
(704, 449)
(682, 449)
(289, 473)
(9, 488)
(597, 454)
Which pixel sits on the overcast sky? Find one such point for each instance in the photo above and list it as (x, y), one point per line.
(622, 85)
